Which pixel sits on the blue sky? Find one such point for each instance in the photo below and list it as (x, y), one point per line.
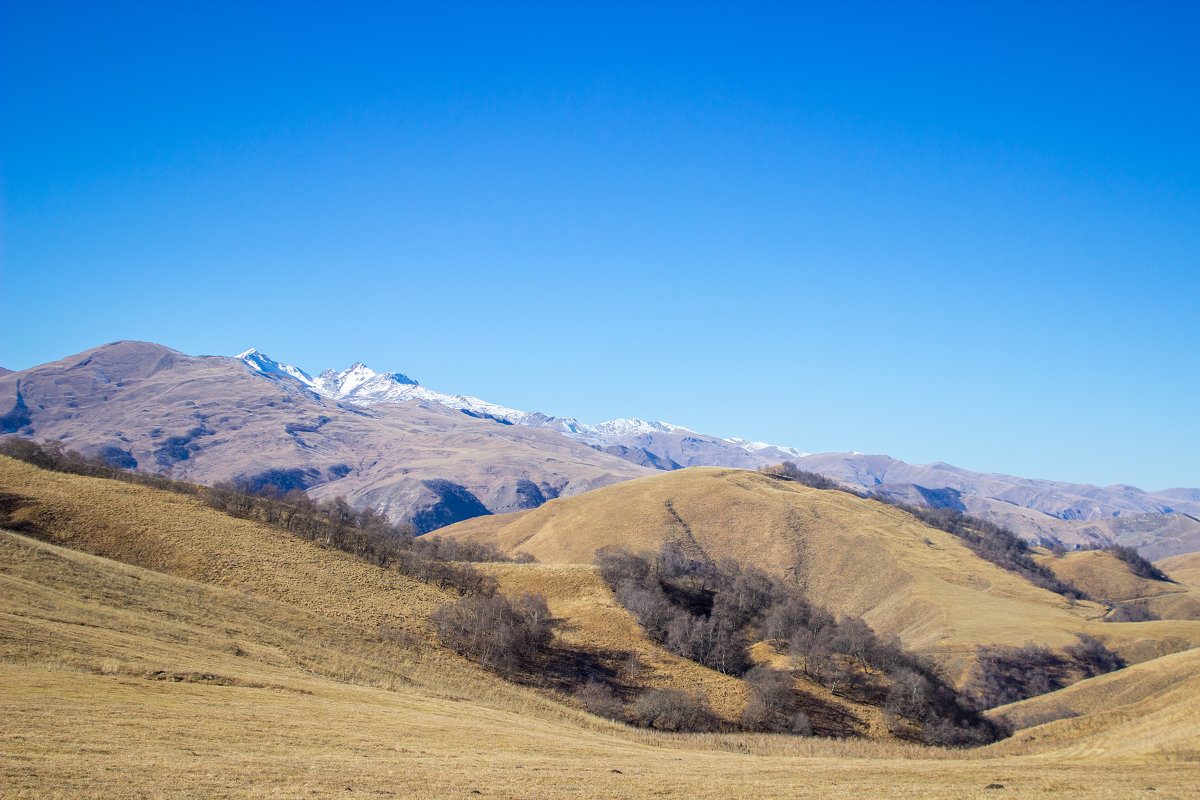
(966, 232)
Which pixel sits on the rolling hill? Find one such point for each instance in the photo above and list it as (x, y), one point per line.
(249, 663)
(853, 556)
(1103, 575)
(1149, 710)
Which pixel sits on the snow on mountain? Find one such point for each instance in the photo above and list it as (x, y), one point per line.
(360, 385)
(616, 428)
(263, 364)
(763, 447)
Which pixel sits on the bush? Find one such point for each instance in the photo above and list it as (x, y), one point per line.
(1092, 658)
(672, 710)
(790, 472)
(772, 705)
(1004, 675)
(497, 633)
(600, 699)
(1129, 612)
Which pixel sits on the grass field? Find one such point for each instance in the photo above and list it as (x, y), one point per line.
(272, 667)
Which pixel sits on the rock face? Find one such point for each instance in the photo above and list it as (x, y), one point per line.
(212, 418)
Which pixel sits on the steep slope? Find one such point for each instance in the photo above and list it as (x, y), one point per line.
(1104, 576)
(1149, 710)
(854, 556)
(208, 419)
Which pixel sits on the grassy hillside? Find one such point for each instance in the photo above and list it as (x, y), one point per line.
(1149, 710)
(1184, 568)
(119, 682)
(851, 555)
(1103, 575)
(294, 670)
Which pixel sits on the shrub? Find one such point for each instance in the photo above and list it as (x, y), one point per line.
(1092, 658)
(497, 633)
(772, 705)
(600, 699)
(672, 710)
(1003, 675)
(1130, 612)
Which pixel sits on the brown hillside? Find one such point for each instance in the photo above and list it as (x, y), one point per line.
(1149, 710)
(854, 556)
(181, 536)
(121, 682)
(1108, 578)
(1184, 568)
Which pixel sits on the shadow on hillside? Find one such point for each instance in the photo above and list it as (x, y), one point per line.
(10, 504)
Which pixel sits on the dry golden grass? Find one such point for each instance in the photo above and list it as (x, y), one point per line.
(1149, 710)
(1104, 576)
(275, 701)
(1184, 568)
(853, 556)
(253, 664)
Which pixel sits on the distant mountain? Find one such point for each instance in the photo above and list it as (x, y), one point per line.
(385, 440)
(661, 445)
(214, 418)
(1040, 510)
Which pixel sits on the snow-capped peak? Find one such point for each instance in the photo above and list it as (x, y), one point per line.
(264, 364)
(763, 447)
(615, 428)
(361, 384)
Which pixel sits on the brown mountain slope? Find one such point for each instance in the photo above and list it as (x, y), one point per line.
(209, 418)
(853, 556)
(1106, 577)
(1149, 710)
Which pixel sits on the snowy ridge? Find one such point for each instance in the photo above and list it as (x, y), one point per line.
(360, 385)
(264, 365)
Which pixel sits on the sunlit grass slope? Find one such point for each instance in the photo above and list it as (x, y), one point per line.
(120, 682)
(854, 556)
(1103, 575)
(1150, 710)
(1184, 568)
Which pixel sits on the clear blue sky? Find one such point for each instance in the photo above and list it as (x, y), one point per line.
(952, 231)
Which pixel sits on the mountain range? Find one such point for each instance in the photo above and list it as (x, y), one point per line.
(385, 441)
